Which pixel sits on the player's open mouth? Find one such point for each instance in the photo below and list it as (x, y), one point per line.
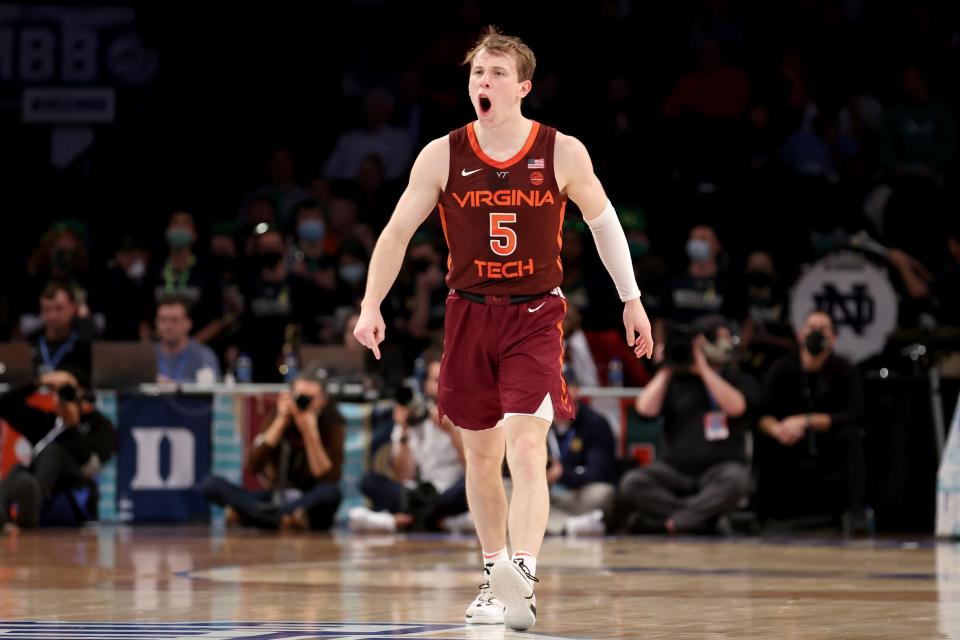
(484, 103)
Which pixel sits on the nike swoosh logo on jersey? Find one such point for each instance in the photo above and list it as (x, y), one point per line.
(532, 309)
(466, 173)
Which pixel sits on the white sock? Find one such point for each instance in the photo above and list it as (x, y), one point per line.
(529, 560)
(490, 558)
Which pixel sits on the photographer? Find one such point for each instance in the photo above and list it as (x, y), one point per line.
(299, 456)
(70, 444)
(702, 473)
(427, 483)
(812, 441)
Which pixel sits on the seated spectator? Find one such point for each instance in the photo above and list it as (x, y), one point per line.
(304, 442)
(180, 358)
(374, 194)
(806, 152)
(811, 405)
(703, 473)
(766, 331)
(427, 482)
(185, 275)
(282, 191)
(228, 274)
(704, 110)
(314, 249)
(716, 90)
(351, 273)
(377, 136)
(936, 292)
(917, 149)
(61, 256)
(582, 470)
(920, 133)
(70, 445)
(64, 339)
(702, 290)
(274, 306)
(314, 262)
(123, 296)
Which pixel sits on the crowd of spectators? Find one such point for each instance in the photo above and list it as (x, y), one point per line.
(745, 158)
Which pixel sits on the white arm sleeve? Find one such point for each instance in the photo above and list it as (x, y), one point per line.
(612, 247)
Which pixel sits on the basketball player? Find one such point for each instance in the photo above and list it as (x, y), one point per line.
(501, 184)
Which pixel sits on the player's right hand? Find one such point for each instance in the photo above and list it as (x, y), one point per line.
(370, 330)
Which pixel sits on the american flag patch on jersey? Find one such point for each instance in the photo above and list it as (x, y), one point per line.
(535, 163)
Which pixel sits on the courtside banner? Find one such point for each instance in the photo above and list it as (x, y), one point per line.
(164, 452)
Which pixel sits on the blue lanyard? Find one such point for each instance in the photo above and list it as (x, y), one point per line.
(67, 345)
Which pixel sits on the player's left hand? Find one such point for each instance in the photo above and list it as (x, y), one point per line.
(370, 329)
(635, 321)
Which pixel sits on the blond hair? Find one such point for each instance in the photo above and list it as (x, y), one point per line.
(495, 42)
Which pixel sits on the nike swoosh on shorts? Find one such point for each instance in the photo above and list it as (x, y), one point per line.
(537, 308)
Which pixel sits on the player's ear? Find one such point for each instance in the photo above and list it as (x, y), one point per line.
(525, 87)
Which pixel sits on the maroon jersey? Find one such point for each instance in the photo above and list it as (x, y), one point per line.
(502, 220)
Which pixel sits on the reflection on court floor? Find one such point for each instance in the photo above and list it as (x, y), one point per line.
(129, 583)
(251, 631)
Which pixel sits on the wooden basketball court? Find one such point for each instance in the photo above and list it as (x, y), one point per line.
(177, 582)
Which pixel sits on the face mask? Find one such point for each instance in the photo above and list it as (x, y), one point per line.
(63, 258)
(698, 250)
(271, 260)
(179, 238)
(136, 270)
(311, 230)
(353, 273)
(816, 343)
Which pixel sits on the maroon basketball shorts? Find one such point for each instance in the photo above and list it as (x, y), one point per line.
(502, 358)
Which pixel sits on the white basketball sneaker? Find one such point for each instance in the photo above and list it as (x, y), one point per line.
(512, 584)
(485, 609)
(588, 524)
(363, 520)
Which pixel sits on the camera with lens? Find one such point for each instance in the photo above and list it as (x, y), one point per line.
(407, 396)
(68, 393)
(678, 347)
